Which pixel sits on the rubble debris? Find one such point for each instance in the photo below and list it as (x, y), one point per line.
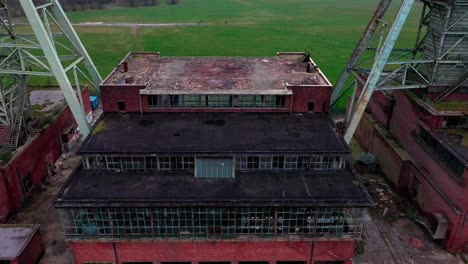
(416, 243)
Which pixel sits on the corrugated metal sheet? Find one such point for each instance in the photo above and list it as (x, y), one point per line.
(214, 168)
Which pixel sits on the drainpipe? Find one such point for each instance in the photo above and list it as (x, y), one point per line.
(291, 107)
(116, 260)
(390, 115)
(141, 106)
(456, 230)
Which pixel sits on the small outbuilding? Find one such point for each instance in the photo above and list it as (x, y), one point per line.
(20, 244)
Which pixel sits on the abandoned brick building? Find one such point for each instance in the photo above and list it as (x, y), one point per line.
(422, 148)
(214, 160)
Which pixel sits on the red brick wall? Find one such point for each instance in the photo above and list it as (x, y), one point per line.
(320, 95)
(285, 109)
(213, 251)
(390, 161)
(426, 168)
(33, 250)
(43, 149)
(110, 95)
(130, 94)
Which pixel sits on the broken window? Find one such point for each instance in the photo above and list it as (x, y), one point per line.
(157, 100)
(151, 163)
(121, 105)
(113, 162)
(176, 101)
(455, 121)
(209, 223)
(27, 182)
(280, 100)
(278, 162)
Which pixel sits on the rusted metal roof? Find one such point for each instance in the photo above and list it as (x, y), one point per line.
(216, 75)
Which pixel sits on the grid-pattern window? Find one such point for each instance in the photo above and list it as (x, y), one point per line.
(211, 223)
(219, 101)
(138, 163)
(290, 162)
(164, 163)
(269, 101)
(194, 100)
(278, 162)
(241, 163)
(441, 152)
(250, 101)
(266, 162)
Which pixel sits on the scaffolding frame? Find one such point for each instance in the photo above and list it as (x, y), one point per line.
(435, 62)
(53, 50)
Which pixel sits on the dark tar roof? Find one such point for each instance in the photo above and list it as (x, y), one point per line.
(14, 239)
(216, 75)
(97, 188)
(217, 133)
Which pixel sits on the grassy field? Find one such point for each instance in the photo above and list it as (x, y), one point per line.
(329, 28)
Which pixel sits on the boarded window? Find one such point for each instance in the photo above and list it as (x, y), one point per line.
(214, 168)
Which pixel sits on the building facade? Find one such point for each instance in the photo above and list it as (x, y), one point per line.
(422, 149)
(214, 160)
(29, 165)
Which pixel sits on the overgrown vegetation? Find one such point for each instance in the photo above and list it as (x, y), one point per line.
(5, 156)
(99, 128)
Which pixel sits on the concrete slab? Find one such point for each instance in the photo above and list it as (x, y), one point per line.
(46, 100)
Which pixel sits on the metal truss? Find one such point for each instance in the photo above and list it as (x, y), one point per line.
(435, 63)
(52, 49)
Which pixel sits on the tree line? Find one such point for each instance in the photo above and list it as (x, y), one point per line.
(78, 5)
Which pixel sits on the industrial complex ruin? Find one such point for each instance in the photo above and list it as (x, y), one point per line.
(220, 160)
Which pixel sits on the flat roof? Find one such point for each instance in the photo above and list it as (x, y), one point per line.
(180, 188)
(217, 133)
(14, 238)
(216, 75)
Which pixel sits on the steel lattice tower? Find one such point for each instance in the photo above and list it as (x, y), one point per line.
(52, 50)
(437, 62)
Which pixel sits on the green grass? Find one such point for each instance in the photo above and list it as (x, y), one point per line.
(330, 28)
